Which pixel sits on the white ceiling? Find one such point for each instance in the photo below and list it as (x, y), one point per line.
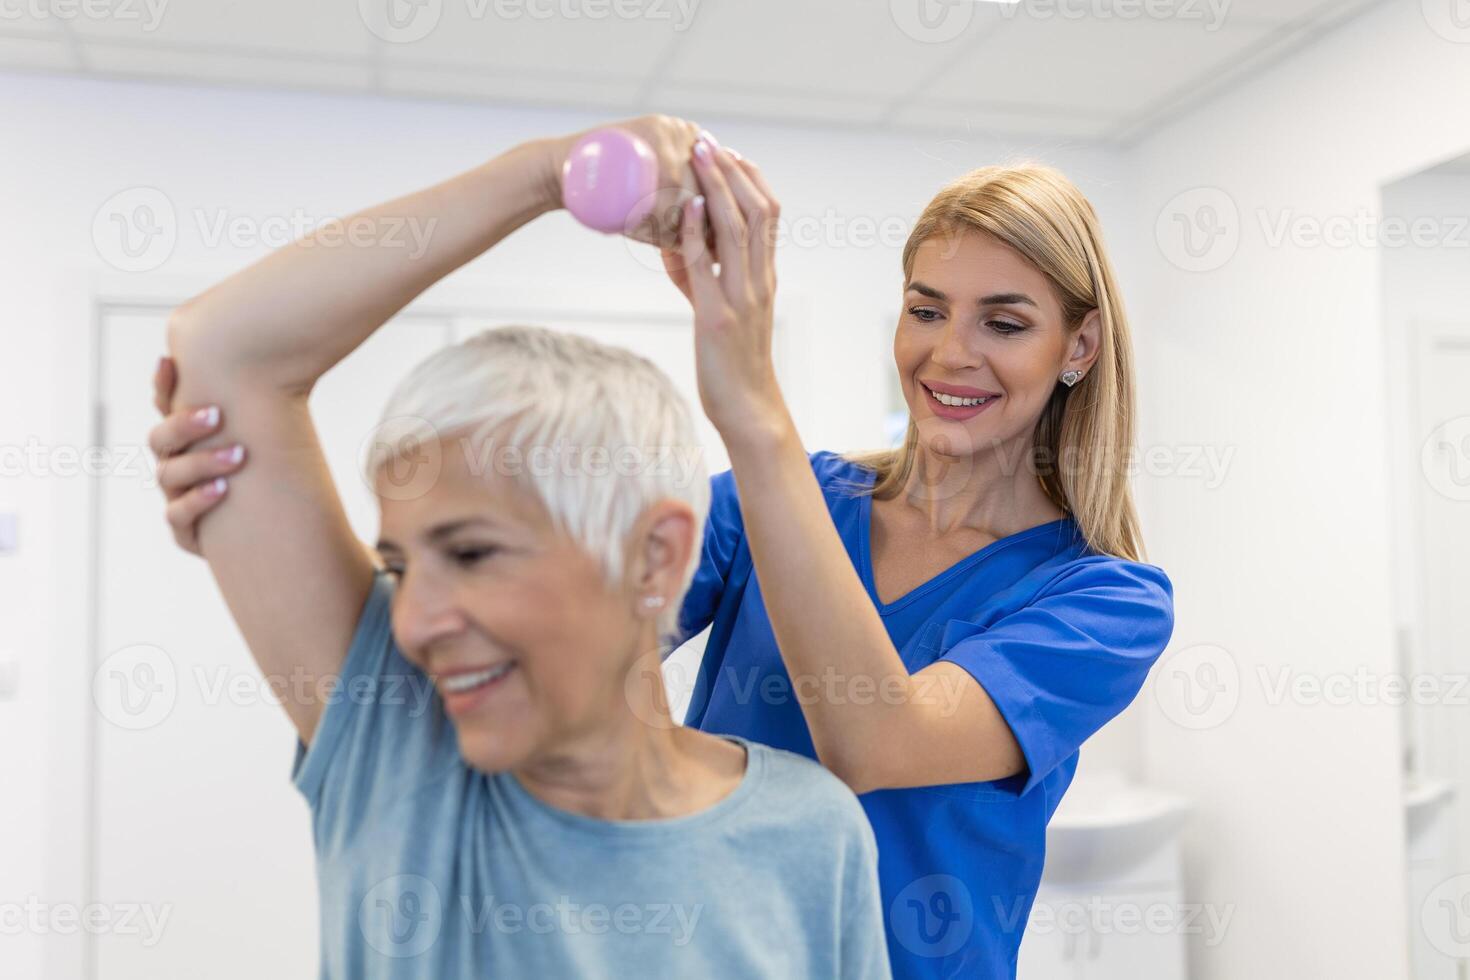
(1458, 167)
(1084, 69)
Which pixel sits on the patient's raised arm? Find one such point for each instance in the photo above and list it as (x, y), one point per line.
(292, 572)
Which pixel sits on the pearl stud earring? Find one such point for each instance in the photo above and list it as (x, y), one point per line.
(653, 602)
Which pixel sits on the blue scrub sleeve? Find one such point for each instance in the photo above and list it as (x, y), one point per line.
(1062, 667)
(723, 529)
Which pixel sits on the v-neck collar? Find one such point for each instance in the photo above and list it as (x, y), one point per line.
(865, 554)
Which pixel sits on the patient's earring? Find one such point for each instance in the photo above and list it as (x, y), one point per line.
(653, 602)
(1069, 378)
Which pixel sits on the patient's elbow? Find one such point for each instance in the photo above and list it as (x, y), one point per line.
(185, 338)
(214, 359)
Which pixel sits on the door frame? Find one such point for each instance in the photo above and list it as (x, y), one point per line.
(1444, 749)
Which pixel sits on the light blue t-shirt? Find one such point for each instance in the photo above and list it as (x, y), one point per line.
(430, 868)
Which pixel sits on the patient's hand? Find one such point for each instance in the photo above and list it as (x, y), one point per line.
(671, 140)
(187, 478)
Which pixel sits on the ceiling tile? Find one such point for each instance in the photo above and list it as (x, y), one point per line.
(591, 39)
(334, 29)
(972, 121)
(1273, 11)
(823, 48)
(1456, 167)
(28, 20)
(1082, 69)
(1217, 13)
(1119, 67)
(141, 60)
(517, 88)
(693, 101)
(33, 53)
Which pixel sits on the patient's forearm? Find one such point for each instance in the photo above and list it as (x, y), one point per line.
(292, 315)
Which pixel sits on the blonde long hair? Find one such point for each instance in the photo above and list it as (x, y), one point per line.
(1085, 434)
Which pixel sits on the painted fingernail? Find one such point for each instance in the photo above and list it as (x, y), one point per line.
(208, 416)
(215, 487)
(699, 205)
(231, 454)
(701, 150)
(709, 138)
(734, 153)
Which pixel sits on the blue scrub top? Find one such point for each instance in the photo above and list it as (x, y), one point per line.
(1060, 637)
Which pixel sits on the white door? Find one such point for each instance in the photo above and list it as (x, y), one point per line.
(1441, 365)
(198, 829)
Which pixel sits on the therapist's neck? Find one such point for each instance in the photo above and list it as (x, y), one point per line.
(637, 763)
(994, 489)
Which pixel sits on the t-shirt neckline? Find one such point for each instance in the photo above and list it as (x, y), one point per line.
(655, 829)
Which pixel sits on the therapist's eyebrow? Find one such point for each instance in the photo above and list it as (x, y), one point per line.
(439, 531)
(994, 299)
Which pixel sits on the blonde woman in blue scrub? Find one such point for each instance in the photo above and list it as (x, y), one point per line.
(941, 625)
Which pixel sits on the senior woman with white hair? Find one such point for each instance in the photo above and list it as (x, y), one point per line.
(545, 816)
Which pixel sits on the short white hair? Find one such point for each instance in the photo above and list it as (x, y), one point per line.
(618, 433)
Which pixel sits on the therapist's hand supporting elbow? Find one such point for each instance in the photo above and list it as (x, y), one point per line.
(934, 727)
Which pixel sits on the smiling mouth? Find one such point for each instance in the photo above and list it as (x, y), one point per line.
(460, 683)
(952, 401)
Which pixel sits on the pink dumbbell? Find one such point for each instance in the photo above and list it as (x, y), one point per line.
(609, 179)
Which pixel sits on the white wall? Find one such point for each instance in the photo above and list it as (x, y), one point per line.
(69, 145)
(1279, 354)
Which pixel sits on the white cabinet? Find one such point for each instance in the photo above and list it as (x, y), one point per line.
(1439, 928)
(1111, 905)
(1099, 935)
